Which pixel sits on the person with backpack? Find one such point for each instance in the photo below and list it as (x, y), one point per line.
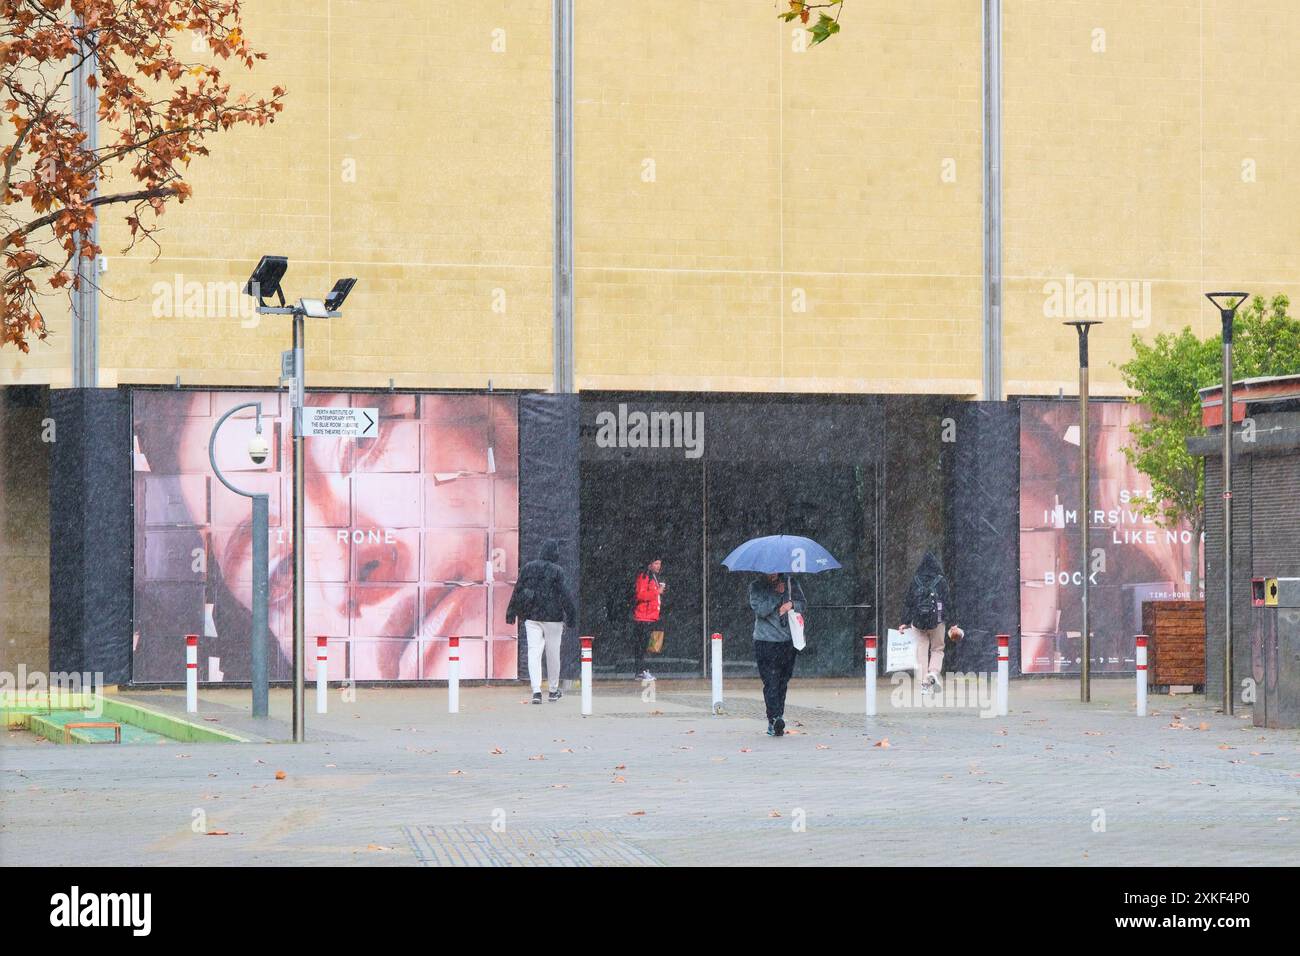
(925, 608)
(647, 595)
(542, 599)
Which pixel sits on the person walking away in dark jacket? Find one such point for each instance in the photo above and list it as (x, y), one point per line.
(774, 650)
(542, 599)
(647, 598)
(927, 606)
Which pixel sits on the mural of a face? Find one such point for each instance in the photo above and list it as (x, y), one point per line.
(411, 537)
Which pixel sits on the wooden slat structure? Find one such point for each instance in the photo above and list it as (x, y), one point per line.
(1177, 640)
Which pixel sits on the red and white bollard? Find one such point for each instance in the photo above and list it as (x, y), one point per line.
(453, 675)
(715, 667)
(1141, 675)
(322, 674)
(1004, 671)
(191, 673)
(586, 676)
(869, 647)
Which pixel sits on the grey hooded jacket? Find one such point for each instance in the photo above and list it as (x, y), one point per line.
(763, 599)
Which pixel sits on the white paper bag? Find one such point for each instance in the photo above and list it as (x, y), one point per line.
(900, 651)
(796, 629)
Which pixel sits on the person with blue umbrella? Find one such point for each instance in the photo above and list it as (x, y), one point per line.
(773, 596)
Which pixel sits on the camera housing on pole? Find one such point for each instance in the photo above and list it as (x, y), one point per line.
(1227, 303)
(266, 280)
(258, 451)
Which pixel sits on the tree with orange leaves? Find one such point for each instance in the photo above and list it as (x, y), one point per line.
(155, 110)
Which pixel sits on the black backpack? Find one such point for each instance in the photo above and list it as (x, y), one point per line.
(927, 610)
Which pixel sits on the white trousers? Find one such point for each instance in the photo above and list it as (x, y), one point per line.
(544, 635)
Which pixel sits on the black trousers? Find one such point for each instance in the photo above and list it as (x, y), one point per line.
(775, 661)
(641, 631)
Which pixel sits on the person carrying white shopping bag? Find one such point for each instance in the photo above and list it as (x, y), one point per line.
(778, 604)
(925, 609)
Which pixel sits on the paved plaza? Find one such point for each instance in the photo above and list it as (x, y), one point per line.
(390, 779)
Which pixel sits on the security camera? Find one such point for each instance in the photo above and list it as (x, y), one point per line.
(258, 449)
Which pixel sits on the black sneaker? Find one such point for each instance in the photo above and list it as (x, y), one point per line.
(554, 696)
(537, 698)
(771, 728)
(778, 727)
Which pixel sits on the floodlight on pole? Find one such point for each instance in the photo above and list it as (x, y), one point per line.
(1227, 303)
(264, 281)
(266, 277)
(1083, 326)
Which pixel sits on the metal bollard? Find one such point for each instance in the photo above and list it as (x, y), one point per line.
(1004, 671)
(1141, 675)
(586, 676)
(870, 667)
(191, 673)
(716, 667)
(322, 674)
(453, 675)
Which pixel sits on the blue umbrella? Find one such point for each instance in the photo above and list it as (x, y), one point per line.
(781, 554)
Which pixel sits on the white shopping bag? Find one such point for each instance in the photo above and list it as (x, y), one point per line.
(796, 629)
(900, 651)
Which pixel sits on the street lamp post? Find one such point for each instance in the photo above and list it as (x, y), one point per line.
(1227, 303)
(265, 281)
(258, 451)
(1082, 326)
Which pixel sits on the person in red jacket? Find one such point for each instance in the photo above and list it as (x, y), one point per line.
(645, 613)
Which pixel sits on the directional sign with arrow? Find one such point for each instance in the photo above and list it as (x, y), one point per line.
(318, 422)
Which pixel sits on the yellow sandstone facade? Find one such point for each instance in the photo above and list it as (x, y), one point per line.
(749, 214)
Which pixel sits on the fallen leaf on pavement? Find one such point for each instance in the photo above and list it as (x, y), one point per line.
(218, 833)
(619, 780)
(636, 813)
(883, 743)
(280, 775)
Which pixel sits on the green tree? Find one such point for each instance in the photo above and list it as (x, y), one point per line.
(1166, 376)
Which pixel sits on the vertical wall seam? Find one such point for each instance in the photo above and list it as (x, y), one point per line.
(992, 306)
(562, 252)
